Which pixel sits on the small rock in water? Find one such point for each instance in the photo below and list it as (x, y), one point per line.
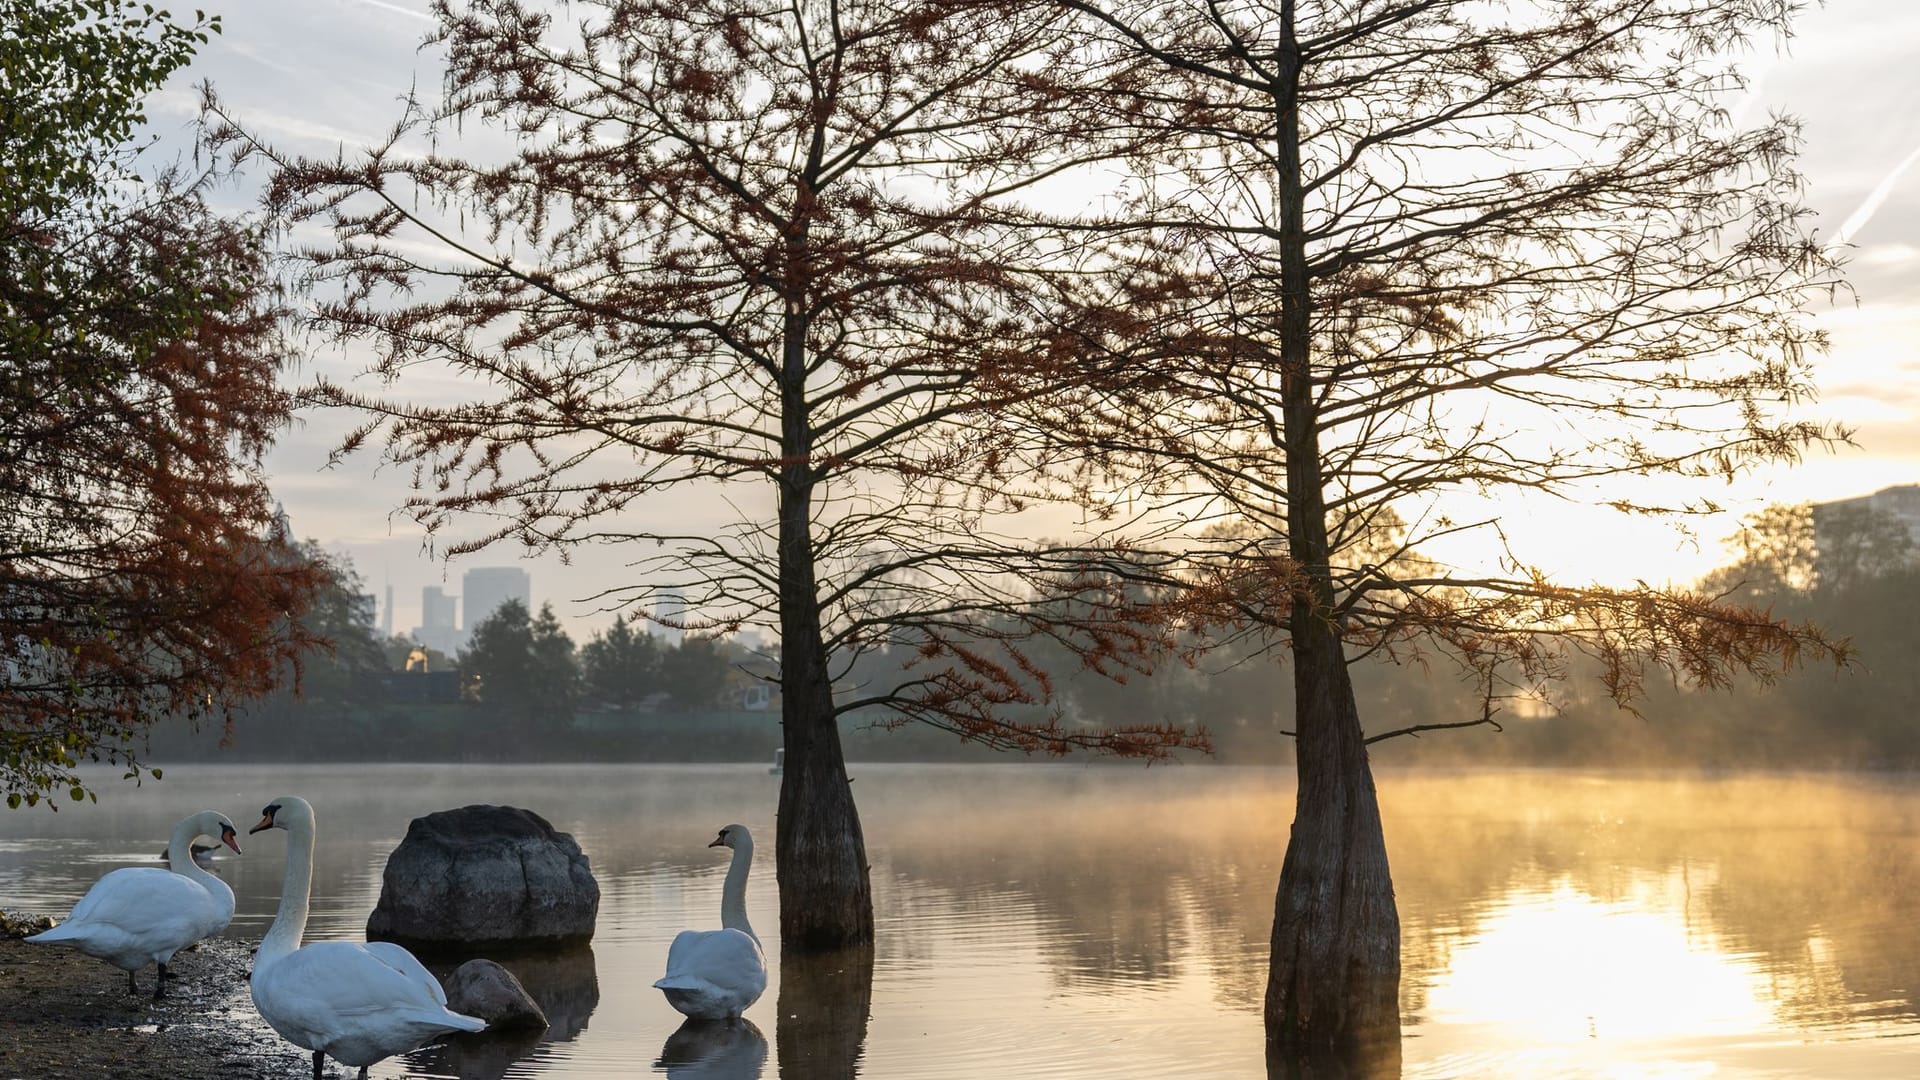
(484, 989)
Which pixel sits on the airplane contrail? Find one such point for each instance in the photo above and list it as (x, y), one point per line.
(1871, 204)
(382, 4)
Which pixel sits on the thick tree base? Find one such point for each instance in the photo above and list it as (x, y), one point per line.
(826, 897)
(1333, 986)
(1370, 1059)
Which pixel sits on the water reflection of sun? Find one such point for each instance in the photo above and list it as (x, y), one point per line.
(1555, 973)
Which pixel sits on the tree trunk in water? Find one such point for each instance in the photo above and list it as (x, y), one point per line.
(820, 856)
(1333, 983)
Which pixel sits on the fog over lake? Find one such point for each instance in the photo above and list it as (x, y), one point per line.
(1104, 922)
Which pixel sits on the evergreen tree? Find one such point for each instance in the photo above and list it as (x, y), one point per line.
(341, 619)
(695, 673)
(554, 681)
(522, 671)
(620, 667)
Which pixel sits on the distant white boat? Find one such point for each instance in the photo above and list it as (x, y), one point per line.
(779, 762)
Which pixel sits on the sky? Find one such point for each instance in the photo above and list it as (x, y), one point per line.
(316, 75)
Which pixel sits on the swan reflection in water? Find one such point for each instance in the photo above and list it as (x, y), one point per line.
(714, 1050)
(562, 982)
(825, 1001)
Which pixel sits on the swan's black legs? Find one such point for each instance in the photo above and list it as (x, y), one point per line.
(319, 1060)
(160, 983)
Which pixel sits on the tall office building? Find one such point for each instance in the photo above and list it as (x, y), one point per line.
(488, 587)
(437, 629)
(669, 604)
(386, 615)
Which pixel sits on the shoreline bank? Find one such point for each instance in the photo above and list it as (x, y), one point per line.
(67, 1016)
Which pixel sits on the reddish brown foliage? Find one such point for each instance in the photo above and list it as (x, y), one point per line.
(1403, 255)
(140, 577)
(725, 248)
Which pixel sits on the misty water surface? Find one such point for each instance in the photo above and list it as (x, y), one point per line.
(1076, 922)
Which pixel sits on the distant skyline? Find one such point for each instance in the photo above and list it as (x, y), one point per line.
(322, 75)
(448, 620)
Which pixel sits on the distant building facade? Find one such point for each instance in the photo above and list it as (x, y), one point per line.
(486, 588)
(417, 687)
(1856, 540)
(1900, 503)
(438, 628)
(671, 604)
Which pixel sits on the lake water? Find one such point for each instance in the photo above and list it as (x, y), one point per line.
(1108, 922)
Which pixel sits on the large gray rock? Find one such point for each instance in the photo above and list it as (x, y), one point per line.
(484, 876)
(484, 989)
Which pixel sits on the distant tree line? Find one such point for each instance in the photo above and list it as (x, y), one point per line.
(520, 685)
(527, 666)
(1847, 568)
(523, 685)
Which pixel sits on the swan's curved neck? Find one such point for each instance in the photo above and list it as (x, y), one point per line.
(180, 854)
(733, 896)
(290, 922)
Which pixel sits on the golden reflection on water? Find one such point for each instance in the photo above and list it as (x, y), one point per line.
(1112, 923)
(1566, 967)
(1555, 924)
(1581, 925)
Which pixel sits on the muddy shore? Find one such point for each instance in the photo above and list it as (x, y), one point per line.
(65, 1016)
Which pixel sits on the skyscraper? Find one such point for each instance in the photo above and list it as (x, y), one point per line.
(386, 615)
(437, 629)
(488, 587)
(669, 604)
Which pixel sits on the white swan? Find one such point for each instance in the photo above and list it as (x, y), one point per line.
(716, 974)
(358, 1003)
(141, 915)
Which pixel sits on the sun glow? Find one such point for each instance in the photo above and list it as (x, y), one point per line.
(1645, 971)
(1570, 976)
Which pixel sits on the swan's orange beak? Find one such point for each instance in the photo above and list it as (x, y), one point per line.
(720, 841)
(230, 838)
(265, 824)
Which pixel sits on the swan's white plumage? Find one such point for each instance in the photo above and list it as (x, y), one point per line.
(349, 1001)
(355, 1002)
(714, 974)
(140, 915)
(717, 974)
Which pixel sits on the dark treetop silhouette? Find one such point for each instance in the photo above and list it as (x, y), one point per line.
(1417, 248)
(748, 248)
